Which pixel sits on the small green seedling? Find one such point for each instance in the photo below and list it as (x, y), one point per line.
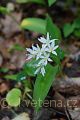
(13, 97)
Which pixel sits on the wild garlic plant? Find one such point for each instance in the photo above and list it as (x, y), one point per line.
(42, 55)
(40, 58)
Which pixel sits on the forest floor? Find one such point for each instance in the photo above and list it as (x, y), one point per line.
(13, 42)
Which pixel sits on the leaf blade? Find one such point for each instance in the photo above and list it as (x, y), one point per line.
(35, 1)
(43, 84)
(68, 29)
(13, 97)
(50, 2)
(37, 23)
(53, 30)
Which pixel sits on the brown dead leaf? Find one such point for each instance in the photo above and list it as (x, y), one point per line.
(4, 87)
(18, 59)
(10, 26)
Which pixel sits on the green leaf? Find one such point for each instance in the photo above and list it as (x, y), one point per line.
(17, 77)
(13, 97)
(53, 30)
(68, 29)
(4, 10)
(50, 2)
(77, 23)
(34, 24)
(60, 53)
(77, 33)
(29, 68)
(55, 58)
(11, 77)
(35, 1)
(43, 84)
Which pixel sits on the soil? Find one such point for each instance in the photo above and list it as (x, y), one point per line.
(14, 60)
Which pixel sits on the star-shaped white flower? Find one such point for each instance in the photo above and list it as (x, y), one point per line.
(31, 53)
(51, 48)
(35, 52)
(42, 55)
(40, 51)
(40, 69)
(46, 41)
(45, 59)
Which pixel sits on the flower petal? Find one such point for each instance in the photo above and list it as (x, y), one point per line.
(38, 69)
(54, 52)
(47, 35)
(34, 48)
(38, 56)
(42, 71)
(49, 59)
(29, 50)
(55, 47)
(42, 40)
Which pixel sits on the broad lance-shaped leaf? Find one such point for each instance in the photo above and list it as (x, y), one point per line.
(53, 30)
(34, 24)
(50, 2)
(43, 84)
(35, 1)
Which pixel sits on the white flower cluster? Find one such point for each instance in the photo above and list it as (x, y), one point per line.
(42, 54)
